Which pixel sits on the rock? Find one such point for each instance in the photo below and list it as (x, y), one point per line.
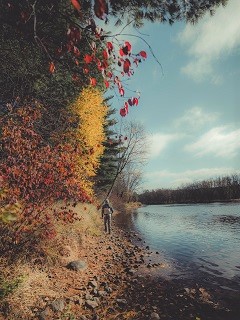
(58, 305)
(93, 284)
(92, 304)
(88, 296)
(78, 265)
(121, 302)
(94, 292)
(96, 299)
(130, 271)
(108, 289)
(154, 316)
(45, 314)
(102, 293)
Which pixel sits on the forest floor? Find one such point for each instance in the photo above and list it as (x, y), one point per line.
(117, 279)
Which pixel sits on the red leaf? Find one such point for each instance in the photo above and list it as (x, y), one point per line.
(121, 52)
(74, 34)
(110, 46)
(126, 65)
(130, 102)
(123, 112)
(88, 58)
(128, 45)
(136, 61)
(121, 92)
(135, 101)
(105, 54)
(52, 67)
(76, 5)
(143, 54)
(85, 70)
(106, 83)
(93, 81)
(101, 8)
(76, 51)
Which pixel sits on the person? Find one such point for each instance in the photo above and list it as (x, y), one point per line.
(107, 211)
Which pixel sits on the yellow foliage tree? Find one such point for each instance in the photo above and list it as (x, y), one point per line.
(89, 135)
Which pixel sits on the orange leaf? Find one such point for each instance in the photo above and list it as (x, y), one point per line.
(76, 5)
(93, 81)
(52, 67)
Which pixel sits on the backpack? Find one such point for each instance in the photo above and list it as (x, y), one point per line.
(107, 210)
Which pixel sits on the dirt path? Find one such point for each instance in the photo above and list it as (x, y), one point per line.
(120, 282)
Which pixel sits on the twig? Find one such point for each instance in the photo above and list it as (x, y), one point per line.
(36, 38)
(139, 37)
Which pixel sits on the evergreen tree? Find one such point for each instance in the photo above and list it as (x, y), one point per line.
(163, 11)
(109, 159)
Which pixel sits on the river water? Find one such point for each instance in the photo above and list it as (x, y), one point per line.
(196, 242)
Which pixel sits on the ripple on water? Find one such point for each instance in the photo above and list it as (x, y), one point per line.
(196, 239)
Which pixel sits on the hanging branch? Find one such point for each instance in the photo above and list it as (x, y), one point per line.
(139, 37)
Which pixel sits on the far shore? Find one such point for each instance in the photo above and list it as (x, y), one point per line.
(190, 202)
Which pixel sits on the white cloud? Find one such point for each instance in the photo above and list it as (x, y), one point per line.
(211, 39)
(195, 118)
(167, 179)
(157, 142)
(220, 141)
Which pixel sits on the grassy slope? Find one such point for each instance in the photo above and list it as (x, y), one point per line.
(22, 283)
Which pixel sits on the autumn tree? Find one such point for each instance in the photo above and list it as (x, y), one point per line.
(132, 152)
(88, 136)
(35, 175)
(129, 182)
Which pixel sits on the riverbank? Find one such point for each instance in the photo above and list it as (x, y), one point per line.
(114, 277)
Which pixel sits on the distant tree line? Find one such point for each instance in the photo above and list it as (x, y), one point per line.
(225, 188)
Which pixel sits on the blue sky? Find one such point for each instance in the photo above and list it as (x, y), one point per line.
(191, 111)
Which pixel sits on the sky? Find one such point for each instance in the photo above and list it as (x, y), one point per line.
(191, 109)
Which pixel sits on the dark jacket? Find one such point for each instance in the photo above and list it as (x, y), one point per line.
(106, 209)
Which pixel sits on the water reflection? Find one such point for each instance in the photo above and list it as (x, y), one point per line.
(199, 240)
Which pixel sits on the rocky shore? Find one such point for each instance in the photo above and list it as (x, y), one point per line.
(117, 277)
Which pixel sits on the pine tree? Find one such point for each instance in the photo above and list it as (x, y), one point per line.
(109, 159)
(168, 11)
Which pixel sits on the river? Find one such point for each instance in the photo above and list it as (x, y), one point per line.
(199, 242)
